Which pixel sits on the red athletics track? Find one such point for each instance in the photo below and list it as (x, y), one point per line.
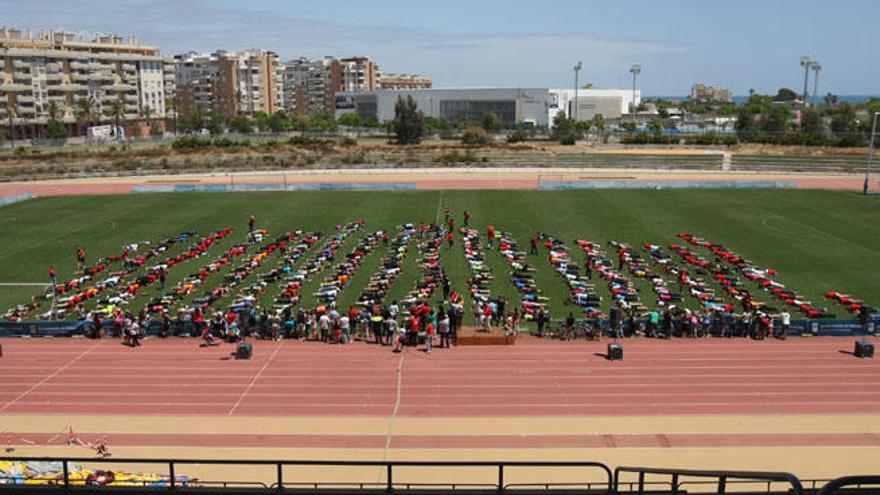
(534, 377)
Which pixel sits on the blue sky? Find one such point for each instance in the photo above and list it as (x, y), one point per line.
(742, 44)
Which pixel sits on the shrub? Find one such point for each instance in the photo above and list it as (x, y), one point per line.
(517, 136)
(475, 136)
(309, 141)
(567, 140)
(347, 141)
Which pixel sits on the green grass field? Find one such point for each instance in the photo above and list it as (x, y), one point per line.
(818, 240)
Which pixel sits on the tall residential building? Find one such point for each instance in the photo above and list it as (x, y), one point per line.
(404, 81)
(120, 79)
(310, 86)
(227, 83)
(708, 94)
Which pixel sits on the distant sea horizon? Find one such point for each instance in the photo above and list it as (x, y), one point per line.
(743, 98)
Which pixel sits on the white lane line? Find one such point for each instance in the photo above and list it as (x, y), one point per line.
(53, 375)
(254, 381)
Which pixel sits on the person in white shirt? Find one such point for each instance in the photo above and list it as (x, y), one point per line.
(786, 323)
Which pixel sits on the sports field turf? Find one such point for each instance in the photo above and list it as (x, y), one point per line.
(817, 240)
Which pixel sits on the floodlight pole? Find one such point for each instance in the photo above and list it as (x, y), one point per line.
(577, 69)
(806, 63)
(635, 70)
(817, 67)
(867, 185)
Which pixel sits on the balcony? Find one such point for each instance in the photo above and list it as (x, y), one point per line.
(22, 76)
(118, 87)
(70, 88)
(25, 110)
(21, 64)
(54, 77)
(133, 98)
(25, 99)
(79, 66)
(14, 88)
(53, 67)
(129, 67)
(79, 76)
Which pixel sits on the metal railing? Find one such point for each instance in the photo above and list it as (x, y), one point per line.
(835, 485)
(389, 484)
(722, 478)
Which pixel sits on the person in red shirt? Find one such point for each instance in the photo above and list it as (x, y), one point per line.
(429, 337)
(450, 238)
(490, 233)
(52, 277)
(422, 230)
(534, 243)
(467, 218)
(80, 259)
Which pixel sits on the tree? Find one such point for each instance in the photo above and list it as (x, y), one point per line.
(278, 122)
(239, 97)
(812, 123)
(563, 127)
(436, 124)
(409, 121)
(117, 108)
(598, 122)
(85, 111)
(56, 130)
(785, 94)
(830, 99)
(261, 120)
(775, 120)
(491, 122)
(844, 120)
(476, 136)
(350, 119)
(148, 114)
(655, 126)
(241, 124)
(628, 127)
(173, 103)
(214, 125)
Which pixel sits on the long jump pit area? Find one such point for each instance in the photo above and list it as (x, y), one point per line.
(803, 405)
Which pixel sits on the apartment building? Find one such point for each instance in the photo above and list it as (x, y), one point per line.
(708, 94)
(403, 81)
(310, 86)
(228, 83)
(118, 78)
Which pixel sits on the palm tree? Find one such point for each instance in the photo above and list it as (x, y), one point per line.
(172, 103)
(239, 96)
(53, 110)
(85, 110)
(118, 109)
(148, 114)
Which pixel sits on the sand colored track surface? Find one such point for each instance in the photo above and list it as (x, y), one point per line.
(437, 178)
(803, 405)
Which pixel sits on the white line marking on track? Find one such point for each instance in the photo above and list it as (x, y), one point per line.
(53, 375)
(256, 377)
(394, 411)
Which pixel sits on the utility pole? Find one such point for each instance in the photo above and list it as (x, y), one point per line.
(867, 187)
(577, 69)
(635, 70)
(806, 63)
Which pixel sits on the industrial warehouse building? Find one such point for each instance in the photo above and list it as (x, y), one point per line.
(535, 106)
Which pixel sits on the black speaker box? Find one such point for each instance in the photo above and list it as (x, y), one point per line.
(243, 351)
(864, 349)
(615, 352)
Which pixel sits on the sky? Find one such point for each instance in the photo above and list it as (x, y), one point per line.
(742, 45)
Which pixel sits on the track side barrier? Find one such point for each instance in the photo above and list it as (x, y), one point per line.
(722, 479)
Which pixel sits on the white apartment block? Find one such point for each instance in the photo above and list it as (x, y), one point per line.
(58, 70)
